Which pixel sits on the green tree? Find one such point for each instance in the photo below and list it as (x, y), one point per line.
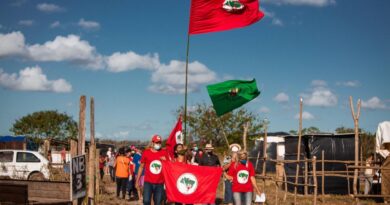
(204, 125)
(45, 124)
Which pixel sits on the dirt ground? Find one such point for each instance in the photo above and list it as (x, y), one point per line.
(108, 196)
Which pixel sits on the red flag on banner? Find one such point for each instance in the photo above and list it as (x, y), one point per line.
(191, 184)
(219, 15)
(174, 138)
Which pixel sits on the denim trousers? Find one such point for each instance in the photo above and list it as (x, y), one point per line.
(156, 189)
(228, 197)
(242, 198)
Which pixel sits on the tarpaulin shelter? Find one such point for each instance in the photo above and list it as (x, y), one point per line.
(336, 147)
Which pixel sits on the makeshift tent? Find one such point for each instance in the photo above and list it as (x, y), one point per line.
(275, 150)
(335, 146)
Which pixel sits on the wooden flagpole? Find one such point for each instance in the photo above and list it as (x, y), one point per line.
(186, 90)
(299, 149)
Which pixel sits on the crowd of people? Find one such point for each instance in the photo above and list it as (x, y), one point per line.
(137, 172)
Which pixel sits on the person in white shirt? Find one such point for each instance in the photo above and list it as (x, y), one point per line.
(106, 168)
(383, 149)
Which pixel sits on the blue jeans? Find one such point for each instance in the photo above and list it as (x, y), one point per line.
(244, 198)
(228, 198)
(156, 189)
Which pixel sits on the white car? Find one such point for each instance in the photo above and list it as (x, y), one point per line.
(23, 164)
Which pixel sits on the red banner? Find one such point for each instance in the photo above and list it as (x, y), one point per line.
(219, 15)
(191, 184)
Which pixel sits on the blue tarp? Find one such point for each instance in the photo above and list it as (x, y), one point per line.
(12, 139)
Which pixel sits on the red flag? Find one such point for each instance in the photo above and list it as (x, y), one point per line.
(219, 15)
(174, 138)
(191, 184)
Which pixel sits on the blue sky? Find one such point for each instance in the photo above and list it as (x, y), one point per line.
(130, 56)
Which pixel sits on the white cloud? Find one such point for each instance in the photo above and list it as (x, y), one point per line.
(320, 97)
(264, 110)
(319, 83)
(170, 79)
(89, 25)
(55, 24)
(69, 48)
(49, 8)
(305, 116)
(374, 103)
(316, 3)
(353, 83)
(26, 22)
(33, 79)
(119, 62)
(12, 44)
(281, 97)
(275, 20)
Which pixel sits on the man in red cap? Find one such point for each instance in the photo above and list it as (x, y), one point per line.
(154, 179)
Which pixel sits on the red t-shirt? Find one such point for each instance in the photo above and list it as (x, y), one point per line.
(241, 177)
(153, 166)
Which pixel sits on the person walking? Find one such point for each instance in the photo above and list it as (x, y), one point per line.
(154, 179)
(122, 172)
(111, 163)
(242, 175)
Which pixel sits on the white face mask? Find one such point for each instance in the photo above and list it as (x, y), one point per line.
(157, 146)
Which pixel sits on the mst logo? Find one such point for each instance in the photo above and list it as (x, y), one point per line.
(242, 176)
(187, 183)
(155, 167)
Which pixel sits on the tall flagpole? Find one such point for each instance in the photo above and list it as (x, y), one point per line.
(185, 95)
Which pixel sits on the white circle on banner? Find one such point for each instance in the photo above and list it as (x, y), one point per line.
(242, 176)
(187, 183)
(155, 167)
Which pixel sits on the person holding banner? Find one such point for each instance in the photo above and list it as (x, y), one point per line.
(151, 161)
(242, 174)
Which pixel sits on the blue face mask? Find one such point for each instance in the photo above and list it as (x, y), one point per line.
(195, 149)
(243, 161)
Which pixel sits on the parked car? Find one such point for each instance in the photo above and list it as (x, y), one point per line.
(23, 164)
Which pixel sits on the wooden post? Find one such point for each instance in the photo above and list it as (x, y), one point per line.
(97, 174)
(257, 159)
(306, 176)
(246, 127)
(323, 176)
(285, 186)
(356, 124)
(73, 148)
(264, 154)
(81, 141)
(92, 155)
(265, 149)
(73, 153)
(299, 149)
(276, 193)
(315, 180)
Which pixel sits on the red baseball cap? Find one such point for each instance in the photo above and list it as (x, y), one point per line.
(156, 138)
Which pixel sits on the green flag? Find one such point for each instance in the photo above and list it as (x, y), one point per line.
(231, 94)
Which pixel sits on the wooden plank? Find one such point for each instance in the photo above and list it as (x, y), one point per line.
(53, 194)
